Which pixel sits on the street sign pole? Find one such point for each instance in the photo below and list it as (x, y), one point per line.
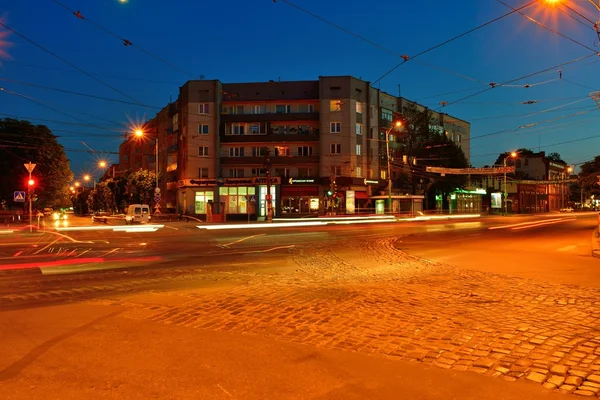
(29, 166)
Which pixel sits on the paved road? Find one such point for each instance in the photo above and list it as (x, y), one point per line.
(348, 288)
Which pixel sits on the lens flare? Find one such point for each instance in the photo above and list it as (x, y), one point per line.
(4, 43)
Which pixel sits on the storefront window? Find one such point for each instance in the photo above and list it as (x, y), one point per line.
(263, 203)
(201, 200)
(236, 198)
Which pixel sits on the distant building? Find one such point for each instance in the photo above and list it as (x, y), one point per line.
(538, 184)
(322, 135)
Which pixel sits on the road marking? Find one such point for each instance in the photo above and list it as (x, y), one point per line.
(226, 245)
(45, 247)
(522, 223)
(18, 253)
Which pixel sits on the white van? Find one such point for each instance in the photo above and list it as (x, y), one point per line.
(137, 213)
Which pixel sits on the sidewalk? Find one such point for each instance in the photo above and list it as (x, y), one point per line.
(100, 352)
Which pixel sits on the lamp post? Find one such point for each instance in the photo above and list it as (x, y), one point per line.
(397, 124)
(562, 186)
(511, 155)
(140, 133)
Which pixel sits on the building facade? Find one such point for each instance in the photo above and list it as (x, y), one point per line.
(539, 184)
(322, 143)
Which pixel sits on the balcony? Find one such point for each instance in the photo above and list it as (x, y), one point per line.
(271, 138)
(314, 116)
(275, 160)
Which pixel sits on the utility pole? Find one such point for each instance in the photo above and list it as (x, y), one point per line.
(29, 166)
(333, 189)
(267, 166)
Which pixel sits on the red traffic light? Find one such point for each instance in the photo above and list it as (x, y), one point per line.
(31, 182)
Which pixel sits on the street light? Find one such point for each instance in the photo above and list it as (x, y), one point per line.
(562, 186)
(138, 132)
(511, 155)
(102, 164)
(397, 124)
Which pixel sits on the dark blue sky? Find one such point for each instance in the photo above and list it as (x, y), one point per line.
(258, 40)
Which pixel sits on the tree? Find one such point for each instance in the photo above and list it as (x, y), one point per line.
(588, 177)
(421, 142)
(22, 142)
(555, 157)
(140, 187)
(102, 198)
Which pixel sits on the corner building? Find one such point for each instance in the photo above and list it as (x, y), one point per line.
(216, 140)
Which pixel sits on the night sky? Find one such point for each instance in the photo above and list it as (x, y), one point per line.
(259, 40)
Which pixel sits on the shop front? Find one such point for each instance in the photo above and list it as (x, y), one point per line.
(227, 198)
(350, 195)
(300, 196)
(464, 201)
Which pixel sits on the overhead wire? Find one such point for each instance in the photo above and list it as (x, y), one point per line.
(404, 57)
(491, 87)
(126, 42)
(39, 46)
(64, 70)
(23, 83)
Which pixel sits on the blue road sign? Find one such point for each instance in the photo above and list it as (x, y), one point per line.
(19, 197)
(253, 199)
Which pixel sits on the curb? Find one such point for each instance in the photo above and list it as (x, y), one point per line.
(595, 243)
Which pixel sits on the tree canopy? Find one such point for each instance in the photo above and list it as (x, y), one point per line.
(22, 142)
(424, 144)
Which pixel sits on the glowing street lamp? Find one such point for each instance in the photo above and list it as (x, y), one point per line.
(102, 164)
(511, 155)
(139, 133)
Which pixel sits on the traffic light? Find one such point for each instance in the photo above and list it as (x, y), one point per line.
(329, 193)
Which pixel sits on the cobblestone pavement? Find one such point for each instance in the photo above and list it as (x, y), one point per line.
(369, 297)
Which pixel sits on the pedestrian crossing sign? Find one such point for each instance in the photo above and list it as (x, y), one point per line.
(19, 197)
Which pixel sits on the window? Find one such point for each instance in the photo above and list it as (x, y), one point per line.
(283, 109)
(282, 151)
(359, 129)
(383, 174)
(458, 138)
(305, 151)
(335, 105)
(258, 109)
(306, 108)
(370, 174)
(337, 170)
(359, 107)
(235, 129)
(239, 109)
(203, 108)
(202, 129)
(358, 171)
(392, 137)
(258, 172)
(335, 127)
(358, 149)
(305, 129)
(253, 129)
(387, 115)
(202, 172)
(258, 151)
(236, 152)
(304, 172)
(236, 173)
(175, 122)
(282, 172)
(335, 148)
(201, 200)
(203, 151)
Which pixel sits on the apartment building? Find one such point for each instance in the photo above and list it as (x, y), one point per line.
(217, 141)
